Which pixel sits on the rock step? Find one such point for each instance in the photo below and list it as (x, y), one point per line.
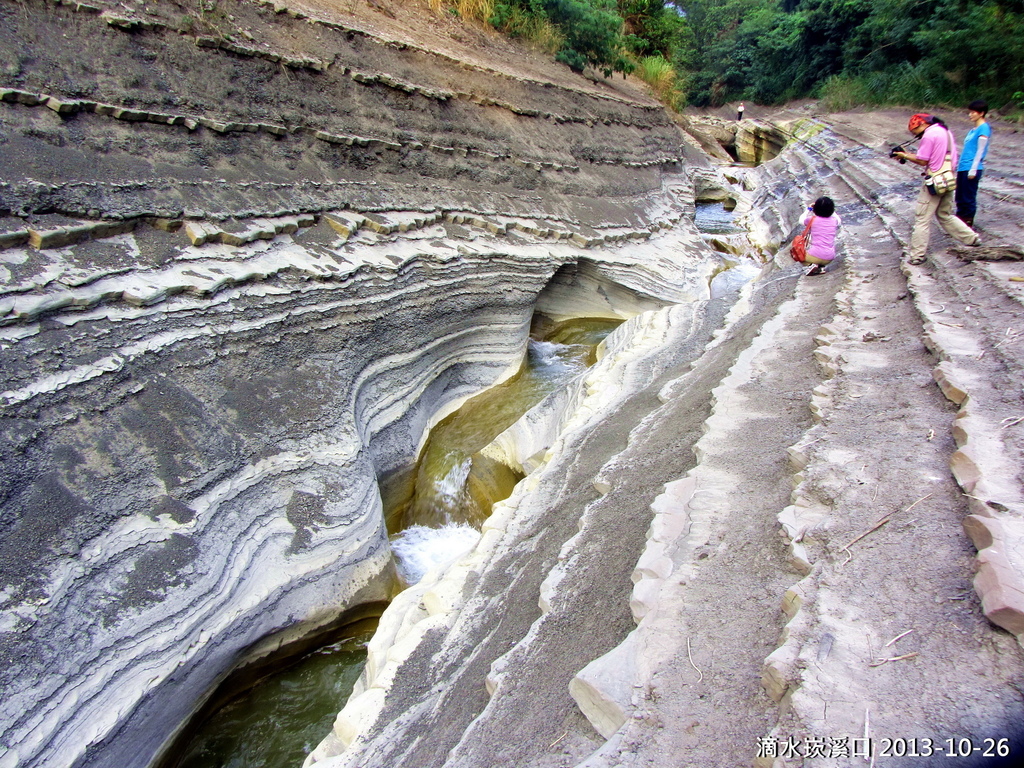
(243, 233)
(975, 335)
(858, 651)
(714, 528)
(348, 223)
(574, 595)
(198, 233)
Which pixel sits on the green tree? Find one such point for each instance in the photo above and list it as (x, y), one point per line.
(720, 63)
(779, 62)
(888, 51)
(651, 28)
(593, 34)
(976, 46)
(591, 30)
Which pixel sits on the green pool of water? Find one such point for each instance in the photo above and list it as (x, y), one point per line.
(715, 219)
(278, 722)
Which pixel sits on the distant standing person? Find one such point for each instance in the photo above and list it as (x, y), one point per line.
(739, 111)
(824, 228)
(972, 162)
(936, 143)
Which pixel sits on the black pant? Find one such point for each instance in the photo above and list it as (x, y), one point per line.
(966, 195)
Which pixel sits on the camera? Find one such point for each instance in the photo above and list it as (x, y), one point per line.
(905, 146)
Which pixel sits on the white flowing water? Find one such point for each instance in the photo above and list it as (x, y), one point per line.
(418, 548)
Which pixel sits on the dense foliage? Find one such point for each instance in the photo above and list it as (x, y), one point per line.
(709, 52)
(875, 51)
(589, 32)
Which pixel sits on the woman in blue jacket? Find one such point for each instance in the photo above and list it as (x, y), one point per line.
(972, 163)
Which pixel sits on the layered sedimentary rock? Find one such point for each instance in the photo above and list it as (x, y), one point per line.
(247, 258)
(249, 253)
(803, 592)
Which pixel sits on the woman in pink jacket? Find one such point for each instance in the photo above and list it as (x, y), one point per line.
(937, 143)
(824, 229)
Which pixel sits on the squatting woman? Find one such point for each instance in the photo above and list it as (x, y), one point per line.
(824, 228)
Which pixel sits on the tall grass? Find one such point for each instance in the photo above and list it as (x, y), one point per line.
(536, 30)
(469, 10)
(663, 80)
(840, 93)
(906, 85)
(511, 20)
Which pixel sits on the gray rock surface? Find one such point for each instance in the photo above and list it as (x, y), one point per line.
(796, 457)
(247, 257)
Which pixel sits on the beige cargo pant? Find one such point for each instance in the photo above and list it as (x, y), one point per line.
(941, 207)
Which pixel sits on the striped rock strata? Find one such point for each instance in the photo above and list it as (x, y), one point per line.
(789, 452)
(246, 259)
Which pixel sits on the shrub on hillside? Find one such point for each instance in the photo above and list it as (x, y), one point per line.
(662, 78)
(590, 30)
(593, 34)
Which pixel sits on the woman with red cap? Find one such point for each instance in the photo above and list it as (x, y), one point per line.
(937, 147)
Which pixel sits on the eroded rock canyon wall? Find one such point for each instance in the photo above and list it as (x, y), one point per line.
(740, 541)
(251, 251)
(249, 254)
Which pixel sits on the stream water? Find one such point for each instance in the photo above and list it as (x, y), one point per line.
(448, 496)
(454, 487)
(280, 720)
(715, 219)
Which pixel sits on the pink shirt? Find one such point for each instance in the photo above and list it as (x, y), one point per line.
(823, 236)
(934, 146)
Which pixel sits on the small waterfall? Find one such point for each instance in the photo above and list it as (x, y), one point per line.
(419, 548)
(715, 222)
(549, 356)
(451, 489)
(453, 483)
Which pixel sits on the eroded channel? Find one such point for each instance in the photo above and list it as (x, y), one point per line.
(434, 513)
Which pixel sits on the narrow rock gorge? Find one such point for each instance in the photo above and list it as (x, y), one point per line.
(251, 252)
